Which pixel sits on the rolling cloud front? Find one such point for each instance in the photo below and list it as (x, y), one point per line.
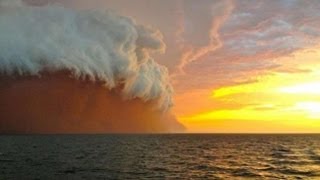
(97, 47)
(193, 47)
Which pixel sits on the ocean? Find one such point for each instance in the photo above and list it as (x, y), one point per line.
(170, 156)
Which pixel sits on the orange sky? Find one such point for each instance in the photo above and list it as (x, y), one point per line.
(276, 102)
(236, 66)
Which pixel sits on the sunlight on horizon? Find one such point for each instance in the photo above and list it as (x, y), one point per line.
(287, 100)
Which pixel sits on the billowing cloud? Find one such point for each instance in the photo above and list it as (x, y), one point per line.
(205, 37)
(209, 45)
(95, 46)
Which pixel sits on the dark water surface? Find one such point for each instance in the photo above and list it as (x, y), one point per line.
(181, 156)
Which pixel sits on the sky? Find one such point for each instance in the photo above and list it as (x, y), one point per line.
(236, 65)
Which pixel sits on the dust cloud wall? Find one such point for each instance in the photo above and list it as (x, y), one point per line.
(80, 71)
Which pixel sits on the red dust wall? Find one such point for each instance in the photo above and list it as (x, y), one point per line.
(57, 103)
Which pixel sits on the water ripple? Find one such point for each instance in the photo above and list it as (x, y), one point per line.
(160, 157)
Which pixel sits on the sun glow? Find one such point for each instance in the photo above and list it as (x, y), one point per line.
(312, 108)
(310, 88)
(280, 101)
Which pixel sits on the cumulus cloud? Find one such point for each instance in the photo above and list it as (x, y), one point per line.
(98, 45)
(65, 70)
